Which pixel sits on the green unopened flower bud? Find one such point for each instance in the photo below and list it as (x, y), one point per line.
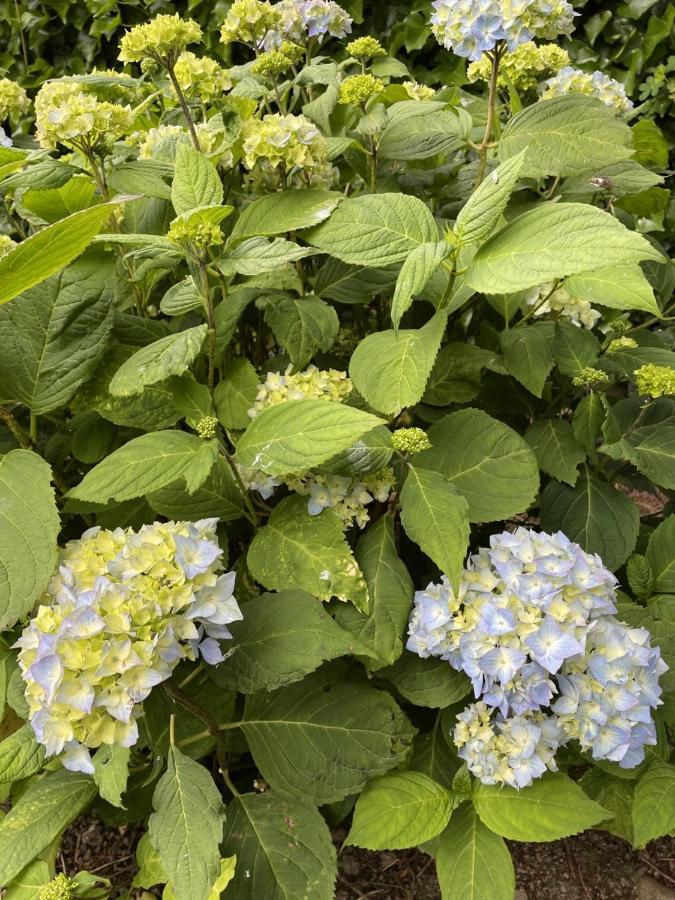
(365, 48)
(622, 343)
(162, 39)
(295, 52)
(591, 378)
(655, 381)
(621, 326)
(274, 62)
(358, 89)
(410, 440)
(192, 231)
(206, 427)
(58, 889)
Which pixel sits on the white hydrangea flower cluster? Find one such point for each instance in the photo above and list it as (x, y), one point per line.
(472, 27)
(346, 495)
(530, 608)
(594, 84)
(560, 304)
(301, 20)
(319, 384)
(124, 608)
(283, 140)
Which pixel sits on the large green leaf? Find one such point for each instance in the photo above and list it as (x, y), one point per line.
(39, 816)
(218, 496)
(50, 249)
(398, 811)
(171, 355)
(654, 804)
(527, 356)
(567, 135)
(427, 682)
(258, 255)
(375, 229)
(390, 589)
(481, 213)
(310, 553)
(303, 326)
(20, 755)
(552, 807)
(557, 450)
(324, 737)
(618, 287)
(235, 393)
(551, 241)
(186, 827)
(111, 771)
(488, 463)
(52, 204)
(415, 274)
(145, 464)
(472, 862)
(285, 211)
(419, 130)
(661, 556)
(283, 848)
(436, 516)
(298, 435)
(391, 369)
(29, 527)
(595, 515)
(281, 639)
(195, 182)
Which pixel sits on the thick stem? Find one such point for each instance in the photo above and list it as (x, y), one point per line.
(489, 125)
(187, 115)
(373, 166)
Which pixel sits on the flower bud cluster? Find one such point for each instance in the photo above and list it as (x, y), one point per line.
(67, 113)
(123, 609)
(410, 440)
(200, 77)
(283, 140)
(562, 305)
(14, 101)
(592, 378)
(358, 89)
(531, 619)
(365, 48)
(655, 381)
(346, 495)
(193, 230)
(163, 39)
(316, 383)
(472, 27)
(272, 62)
(596, 84)
(59, 888)
(523, 69)
(622, 343)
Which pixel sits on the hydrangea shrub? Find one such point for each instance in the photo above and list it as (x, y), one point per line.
(337, 416)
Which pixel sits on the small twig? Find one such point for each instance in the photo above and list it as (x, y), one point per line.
(654, 868)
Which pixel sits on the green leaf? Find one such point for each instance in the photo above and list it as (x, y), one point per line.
(391, 370)
(235, 394)
(398, 811)
(195, 182)
(353, 284)
(282, 638)
(172, 355)
(436, 516)
(302, 326)
(217, 497)
(416, 272)
(145, 464)
(595, 515)
(390, 589)
(419, 130)
(661, 556)
(111, 771)
(186, 826)
(294, 731)
(456, 375)
(617, 287)
(283, 848)
(472, 862)
(653, 453)
(52, 204)
(527, 357)
(551, 241)
(29, 527)
(309, 553)
(49, 250)
(29, 882)
(46, 809)
(552, 807)
(375, 229)
(299, 435)
(255, 256)
(587, 422)
(488, 463)
(285, 211)
(193, 399)
(427, 682)
(371, 453)
(565, 136)
(556, 448)
(651, 147)
(653, 807)
(616, 796)
(20, 755)
(481, 213)
(574, 348)
(181, 298)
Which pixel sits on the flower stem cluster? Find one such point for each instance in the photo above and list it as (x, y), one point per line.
(532, 620)
(272, 63)
(123, 609)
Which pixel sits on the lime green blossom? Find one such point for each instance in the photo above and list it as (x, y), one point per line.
(358, 89)
(206, 427)
(283, 140)
(121, 611)
(14, 101)
(621, 326)
(67, 113)
(622, 343)
(189, 229)
(249, 21)
(562, 305)
(6, 244)
(523, 69)
(365, 48)
(591, 378)
(273, 62)
(295, 52)
(201, 78)
(264, 178)
(410, 440)
(596, 84)
(417, 91)
(315, 383)
(347, 495)
(160, 142)
(655, 381)
(58, 889)
(163, 39)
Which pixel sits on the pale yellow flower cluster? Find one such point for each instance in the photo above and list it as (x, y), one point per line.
(66, 112)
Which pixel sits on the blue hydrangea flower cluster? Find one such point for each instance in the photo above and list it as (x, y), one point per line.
(472, 27)
(532, 627)
(124, 608)
(302, 20)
